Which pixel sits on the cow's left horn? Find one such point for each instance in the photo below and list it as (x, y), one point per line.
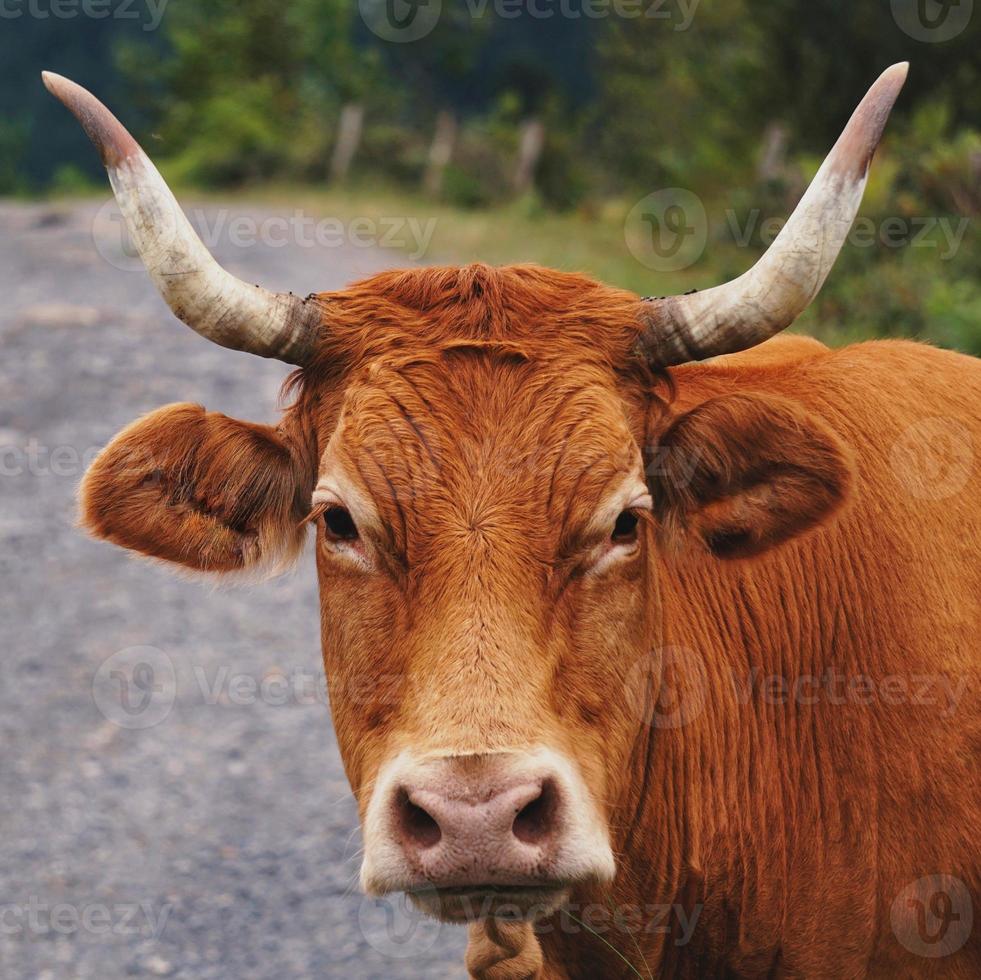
(771, 295)
(200, 292)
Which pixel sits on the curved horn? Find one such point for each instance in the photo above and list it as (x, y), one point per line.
(775, 291)
(200, 292)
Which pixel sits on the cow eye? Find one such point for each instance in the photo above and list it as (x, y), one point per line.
(625, 529)
(339, 524)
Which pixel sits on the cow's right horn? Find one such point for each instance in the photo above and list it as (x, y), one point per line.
(770, 296)
(211, 301)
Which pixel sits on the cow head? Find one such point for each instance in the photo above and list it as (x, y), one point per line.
(471, 447)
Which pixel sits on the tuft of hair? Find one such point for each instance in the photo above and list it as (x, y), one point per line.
(527, 311)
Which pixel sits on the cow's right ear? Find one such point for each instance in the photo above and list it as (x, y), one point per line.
(198, 489)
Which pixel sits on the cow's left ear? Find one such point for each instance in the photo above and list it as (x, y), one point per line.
(746, 472)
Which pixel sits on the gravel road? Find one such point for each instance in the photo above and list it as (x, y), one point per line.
(172, 801)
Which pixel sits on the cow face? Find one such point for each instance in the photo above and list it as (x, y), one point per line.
(470, 447)
(483, 514)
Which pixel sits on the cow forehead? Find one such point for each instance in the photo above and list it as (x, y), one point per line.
(467, 436)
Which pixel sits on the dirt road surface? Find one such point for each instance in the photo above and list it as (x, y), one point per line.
(172, 801)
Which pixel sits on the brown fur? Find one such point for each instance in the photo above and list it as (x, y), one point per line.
(485, 412)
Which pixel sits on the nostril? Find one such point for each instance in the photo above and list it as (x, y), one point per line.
(536, 820)
(416, 824)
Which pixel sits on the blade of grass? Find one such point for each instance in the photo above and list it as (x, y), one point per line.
(632, 968)
(633, 939)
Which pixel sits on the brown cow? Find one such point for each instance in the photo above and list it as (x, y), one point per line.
(644, 666)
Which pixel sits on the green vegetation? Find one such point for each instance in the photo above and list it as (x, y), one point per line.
(531, 138)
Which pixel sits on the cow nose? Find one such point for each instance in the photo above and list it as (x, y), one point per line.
(521, 814)
(457, 832)
(510, 826)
